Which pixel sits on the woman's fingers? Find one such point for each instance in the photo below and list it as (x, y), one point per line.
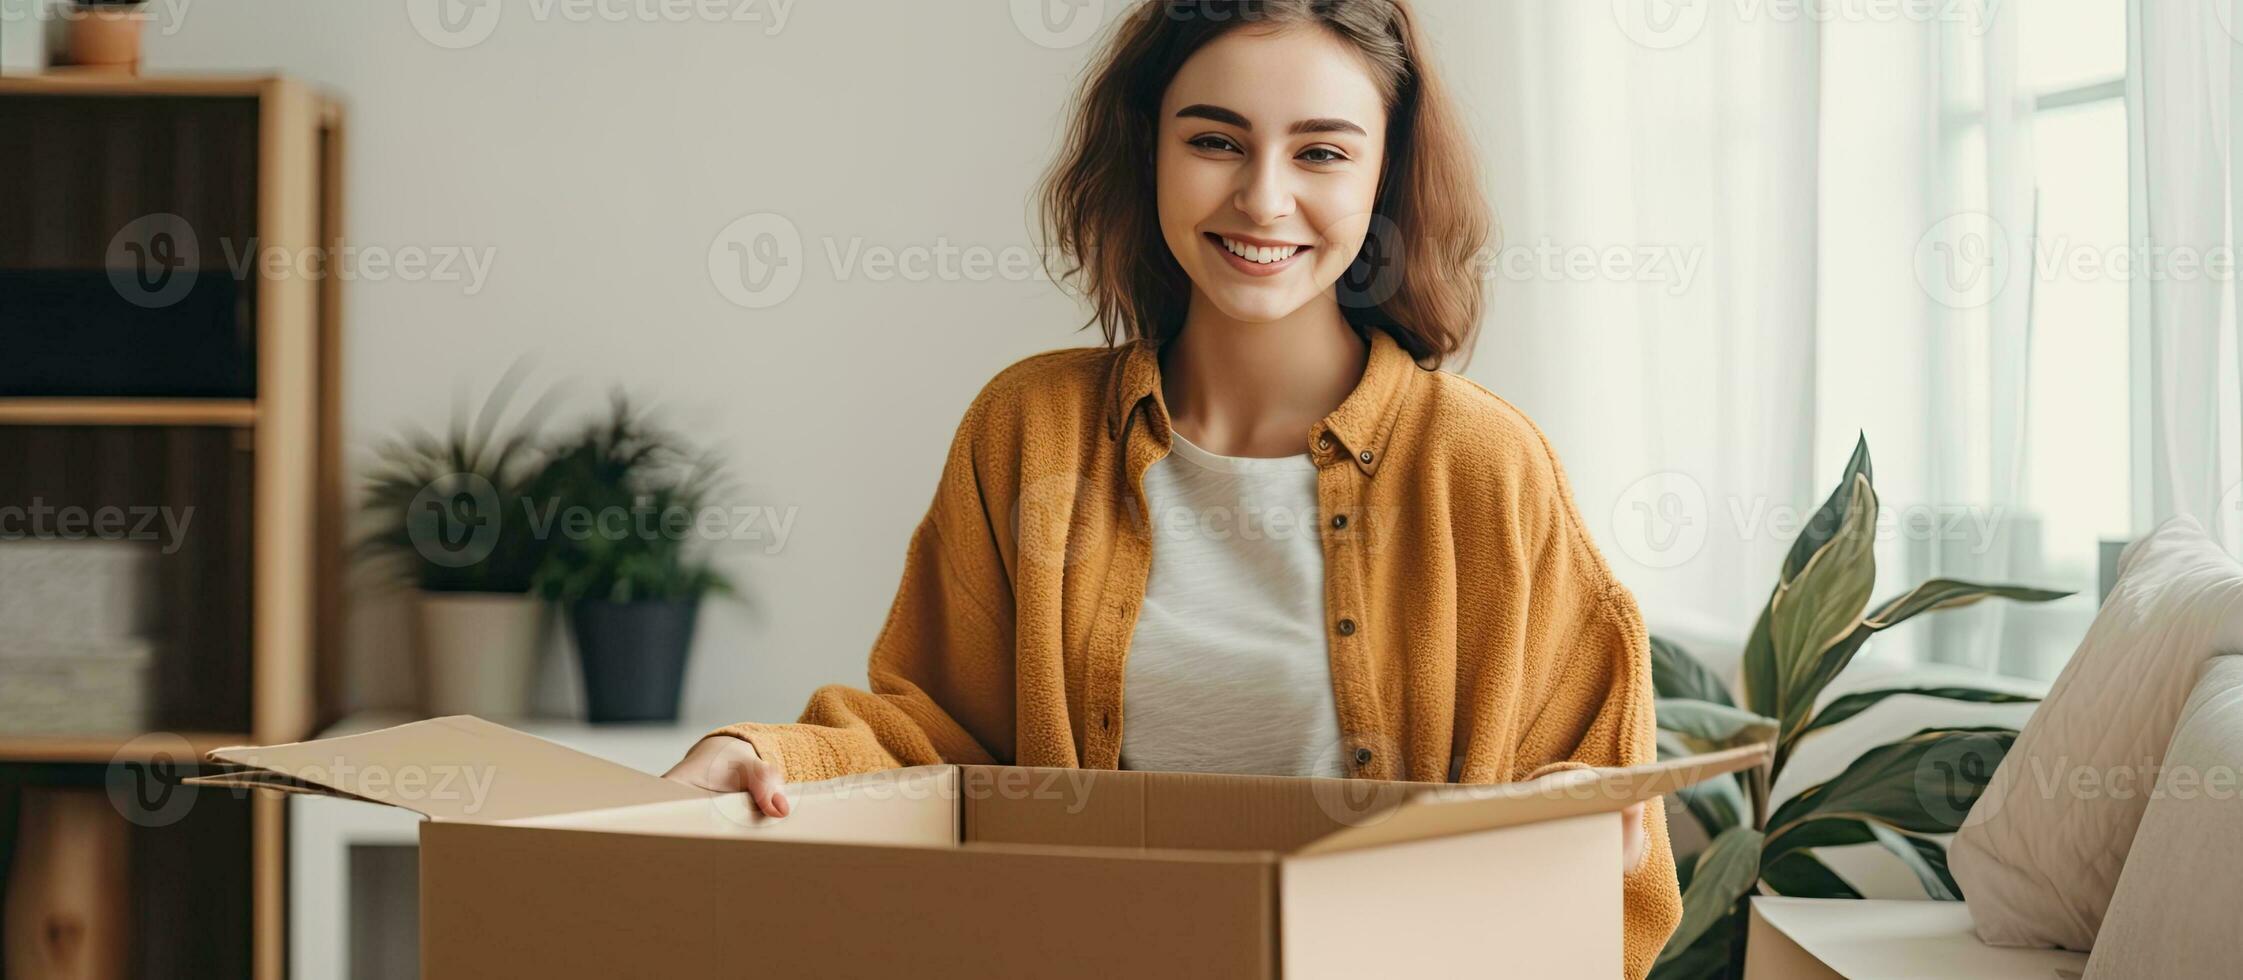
(1632, 845)
(767, 789)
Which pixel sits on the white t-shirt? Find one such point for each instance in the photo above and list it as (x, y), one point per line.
(1228, 670)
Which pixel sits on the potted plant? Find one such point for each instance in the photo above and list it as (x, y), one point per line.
(624, 500)
(104, 34)
(449, 519)
(1898, 795)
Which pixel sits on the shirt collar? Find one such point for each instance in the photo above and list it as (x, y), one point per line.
(1359, 429)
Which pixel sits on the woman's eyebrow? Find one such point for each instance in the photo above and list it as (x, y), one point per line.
(1228, 117)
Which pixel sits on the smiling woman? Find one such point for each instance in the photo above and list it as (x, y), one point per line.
(1258, 531)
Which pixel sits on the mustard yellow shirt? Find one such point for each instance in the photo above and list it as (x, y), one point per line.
(1475, 633)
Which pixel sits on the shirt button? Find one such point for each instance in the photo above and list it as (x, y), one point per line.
(1363, 756)
(1324, 443)
(1347, 627)
(1339, 522)
(1365, 456)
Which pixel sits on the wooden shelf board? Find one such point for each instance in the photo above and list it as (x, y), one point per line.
(110, 748)
(237, 412)
(68, 81)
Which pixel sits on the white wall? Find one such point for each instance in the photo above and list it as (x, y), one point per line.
(597, 161)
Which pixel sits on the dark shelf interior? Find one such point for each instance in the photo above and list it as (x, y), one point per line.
(201, 477)
(129, 246)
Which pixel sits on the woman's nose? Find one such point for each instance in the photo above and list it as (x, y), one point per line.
(1265, 193)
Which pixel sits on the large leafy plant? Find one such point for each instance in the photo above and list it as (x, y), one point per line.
(1899, 795)
(622, 503)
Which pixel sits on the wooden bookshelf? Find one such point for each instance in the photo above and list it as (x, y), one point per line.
(229, 412)
(104, 749)
(244, 159)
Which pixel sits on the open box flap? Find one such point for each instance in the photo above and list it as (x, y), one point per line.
(1440, 811)
(453, 768)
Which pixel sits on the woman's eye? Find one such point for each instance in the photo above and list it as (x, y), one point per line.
(1213, 143)
(1322, 154)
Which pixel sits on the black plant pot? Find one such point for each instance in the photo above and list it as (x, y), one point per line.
(633, 654)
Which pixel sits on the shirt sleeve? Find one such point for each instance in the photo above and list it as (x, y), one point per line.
(941, 671)
(1600, 714)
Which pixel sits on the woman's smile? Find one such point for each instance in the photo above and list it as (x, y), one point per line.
(1255, 256)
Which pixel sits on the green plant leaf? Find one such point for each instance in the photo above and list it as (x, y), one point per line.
(1708, 958)
(1677, 674)
(1761, 689)
(1947, 593)
(1803, 875)
(1925, 783)
(1831, 515)
(1829, 832)
(1707, 727)
(1717, 804)
(1725, 872)
(1822, 605)
(1845, 707)
(1926, 858)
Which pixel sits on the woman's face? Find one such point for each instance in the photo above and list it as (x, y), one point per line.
(1270, 144)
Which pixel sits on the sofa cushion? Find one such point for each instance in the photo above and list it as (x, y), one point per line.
(2039, 855)
(2174, 914)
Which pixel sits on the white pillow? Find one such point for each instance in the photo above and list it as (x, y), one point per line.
(2040, 852)
(2175, 911)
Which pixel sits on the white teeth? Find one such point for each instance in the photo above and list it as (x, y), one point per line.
(1260, 255)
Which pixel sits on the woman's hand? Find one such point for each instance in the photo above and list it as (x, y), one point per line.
(1632, 842)
(724, 764)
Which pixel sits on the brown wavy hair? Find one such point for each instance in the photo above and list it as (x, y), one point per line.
(1416, 276)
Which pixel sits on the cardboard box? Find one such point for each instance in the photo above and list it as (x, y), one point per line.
(1885, 939)
(540, 861)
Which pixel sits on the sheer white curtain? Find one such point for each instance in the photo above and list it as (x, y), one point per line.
(1654, 296)
(2188, 456)
(1854, 207)
(1926, 313)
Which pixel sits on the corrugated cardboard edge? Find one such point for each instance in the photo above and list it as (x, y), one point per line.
(519, 774)
(1445, 810)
